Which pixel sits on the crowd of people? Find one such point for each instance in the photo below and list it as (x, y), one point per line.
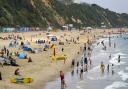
(82, 65)
(85, 63)
(8, 58)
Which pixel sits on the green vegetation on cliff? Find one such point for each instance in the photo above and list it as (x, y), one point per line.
(41, 13)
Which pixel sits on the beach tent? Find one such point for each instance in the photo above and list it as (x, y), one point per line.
(54, 38)
(27, 48)
(40, 41)
(22, 56)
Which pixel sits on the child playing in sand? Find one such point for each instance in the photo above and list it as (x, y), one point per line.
(29, 59)
(17, 71)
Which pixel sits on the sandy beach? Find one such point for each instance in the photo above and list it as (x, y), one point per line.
(43, 69)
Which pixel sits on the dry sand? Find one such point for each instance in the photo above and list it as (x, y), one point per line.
(42, 69)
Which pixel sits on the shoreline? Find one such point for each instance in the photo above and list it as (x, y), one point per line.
(74, 82)
(78, 59)
(93, 42)
(45, 71)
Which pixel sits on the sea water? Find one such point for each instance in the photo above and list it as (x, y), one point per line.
(116, 78)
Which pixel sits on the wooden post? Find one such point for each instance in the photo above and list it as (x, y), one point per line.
(54, 52)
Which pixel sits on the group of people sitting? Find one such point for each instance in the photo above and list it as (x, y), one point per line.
(9, 58)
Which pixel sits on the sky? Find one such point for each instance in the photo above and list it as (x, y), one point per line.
(120, 6)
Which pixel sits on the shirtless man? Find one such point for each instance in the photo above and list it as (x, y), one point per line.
(102, 67)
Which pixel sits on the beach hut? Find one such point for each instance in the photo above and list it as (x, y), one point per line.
(8, 29)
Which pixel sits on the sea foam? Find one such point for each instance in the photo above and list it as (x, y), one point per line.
(123, 75)
(116, 85)
(126, 68)
(114, 60)
(78, 87)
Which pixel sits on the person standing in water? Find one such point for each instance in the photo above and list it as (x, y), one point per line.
(110, 56)
(63, 84)
(81, 61)
(77, 67)
(112, 69)
(90, 62)
(81, 73)
(102, 67)
(108, 68)
(114, 45)
(72, 72)
(77, 64)
(119, 59)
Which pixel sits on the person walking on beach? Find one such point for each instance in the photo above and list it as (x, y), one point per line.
(85, 64)
(85, 61)
(108, 68)
(77, 67)
(72, 72)
(81, 73)
(110, 56)
(84, 46)
(63, 84)
(81, 61)
(119, 59)
(7, 53)
(102, 42)
(77, 64)
(4, 49)
(114, 45)
(90, 62)
(73, 63)
(77, 38)
(62, 49)
(0, 76)
(102, 67)
(112, 69)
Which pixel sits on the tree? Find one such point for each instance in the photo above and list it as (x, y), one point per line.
(67, 2)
